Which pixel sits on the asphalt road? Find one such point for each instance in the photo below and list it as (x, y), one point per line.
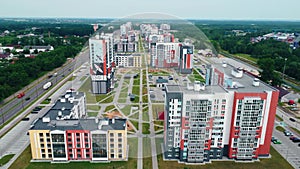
(16, 140)
(14, 106)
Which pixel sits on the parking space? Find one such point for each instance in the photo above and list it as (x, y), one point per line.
(288, 149)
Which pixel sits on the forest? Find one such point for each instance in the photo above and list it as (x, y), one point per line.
(67, 40)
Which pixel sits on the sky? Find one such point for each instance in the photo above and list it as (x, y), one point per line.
(185, 9)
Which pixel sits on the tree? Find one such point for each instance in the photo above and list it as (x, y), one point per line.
(267, 74)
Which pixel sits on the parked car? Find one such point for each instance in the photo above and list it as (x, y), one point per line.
(296, 140)
(275, 140)
(288, 133)
(27, 98)
(25, 119)
(37, 109)
(293, 120)
(34, 112)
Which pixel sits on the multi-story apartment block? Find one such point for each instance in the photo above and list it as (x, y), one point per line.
(101, 63)
(232, 116)
(172, 55)
(165, 26)
(186, 59)
(63, 135)
(128, 60)
(166, 55)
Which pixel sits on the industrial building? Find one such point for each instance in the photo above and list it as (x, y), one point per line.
(65, 134)
(230, 116)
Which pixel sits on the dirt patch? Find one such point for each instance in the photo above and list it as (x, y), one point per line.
(113, 114)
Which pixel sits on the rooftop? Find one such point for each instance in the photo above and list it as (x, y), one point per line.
(63, 117)
(243, 83)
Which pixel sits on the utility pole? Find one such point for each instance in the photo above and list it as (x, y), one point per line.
(284, 68)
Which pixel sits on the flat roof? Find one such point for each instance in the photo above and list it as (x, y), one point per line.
(245, 83)
(80, 124)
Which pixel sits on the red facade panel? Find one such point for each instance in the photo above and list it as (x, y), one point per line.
(241, 96)
(76, 144)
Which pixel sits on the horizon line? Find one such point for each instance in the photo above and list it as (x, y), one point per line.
(116, 18)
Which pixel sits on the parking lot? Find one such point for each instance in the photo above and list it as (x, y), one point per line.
(288, 149)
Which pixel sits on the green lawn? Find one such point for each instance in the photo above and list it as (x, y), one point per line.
(146, 147)
(23, 162)
(279, 118)
(123, 95)
(126, 110)
(72, 78)
(135, 115)
(136, 99)
(159, 122)
(147, 156)
(145, 116)
(110, 107)
(107, 99)
(136, 81)
(156, 128)
(135, 123)
(146, 127)
(120, 100)
(136, 90)
(133, 148)
(276, 162)
(279, 128)
(86, 87)
(145, 99)
(246, 56)
(5, 159)
(93, 107)
(158, 142)
(92, 114)
(46, 101)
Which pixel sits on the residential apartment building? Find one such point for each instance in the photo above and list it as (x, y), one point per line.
(172, 55)
(166, 55)
(232, 116)
(62, 134)
(102, 63)
(128, 60)
(186, 59)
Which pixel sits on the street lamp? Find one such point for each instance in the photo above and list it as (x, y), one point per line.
(284, 68)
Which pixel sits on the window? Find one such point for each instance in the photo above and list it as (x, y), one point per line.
(41, 134)
(119, 134)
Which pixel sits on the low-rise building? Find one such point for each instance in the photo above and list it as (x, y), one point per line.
(63, 134)
(128, 60)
